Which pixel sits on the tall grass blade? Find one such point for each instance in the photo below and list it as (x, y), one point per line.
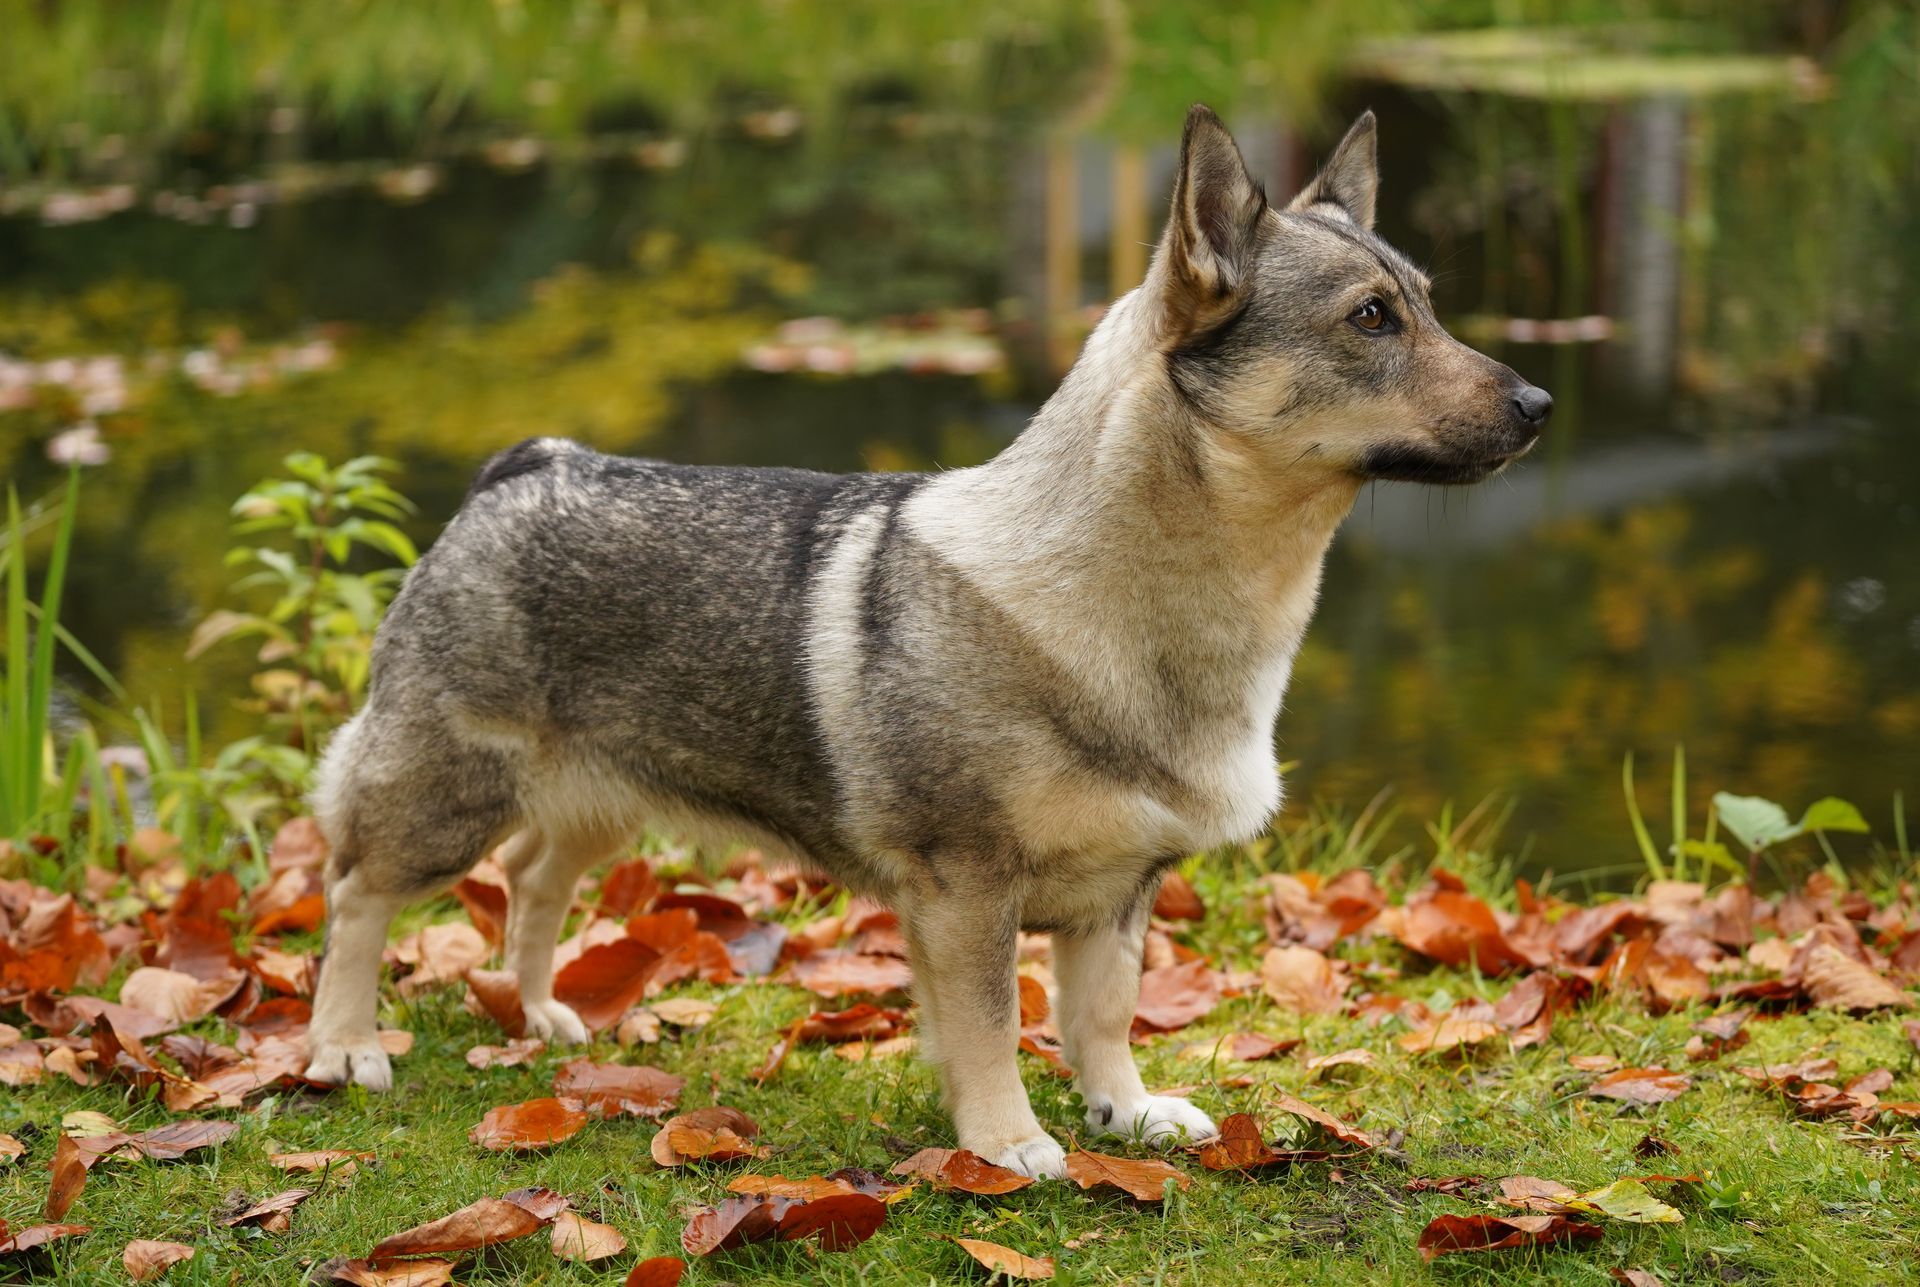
(1655, 868)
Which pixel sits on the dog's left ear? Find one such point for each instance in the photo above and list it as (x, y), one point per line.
(1208, 248)
(1351, 177)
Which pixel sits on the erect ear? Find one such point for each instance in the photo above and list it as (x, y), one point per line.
(1209, 243)
(1351, 178)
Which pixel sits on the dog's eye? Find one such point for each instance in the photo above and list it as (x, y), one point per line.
(1370, 316)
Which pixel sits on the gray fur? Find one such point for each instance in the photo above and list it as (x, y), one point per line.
(999, 698)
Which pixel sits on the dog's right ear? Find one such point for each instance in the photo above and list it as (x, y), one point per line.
(1208, 248)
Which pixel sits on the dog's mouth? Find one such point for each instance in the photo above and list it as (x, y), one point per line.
(1412, 462)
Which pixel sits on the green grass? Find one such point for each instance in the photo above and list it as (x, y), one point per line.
(1817, 1204)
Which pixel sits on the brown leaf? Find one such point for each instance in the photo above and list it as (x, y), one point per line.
(1342, 1131)
(718, 1132)
(1176, 901)
(1785, 1076)
(661, 1271)
(1241, 1146)
(835, 973)
(335, 1162)
(1142, 1179)
(1594, 1063)
(1340, 1059)
(1173, 996)
(1456, 929)
(431, 1272)
(1449, 1032)
(36, 1235)
(962, 1169)
(611, 1090)
(1302, 980)
(440, 954)
(1034, 1006)
(1634, 1277)
(538, 1123)
(479, 1224)
(486, 907)
(517, 1051)
(1526, 1011)
(11, 1148)
(1450, 1185)
(497, 992)
(1450, 1234)
(271, 1213)
(177, 1139)
(576, 1238)
(1912, 1028)
(839, 1221)
(69, 1177)
(1836, 981)
(1531, 1193)
(145, 1261)
(177, 997)
(1641, 1085)
(866, 1021)
(543, 1204)
(628, 887)
(605, 980)
(1005, 1260)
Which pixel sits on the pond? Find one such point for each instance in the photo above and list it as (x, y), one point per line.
(1715, 546)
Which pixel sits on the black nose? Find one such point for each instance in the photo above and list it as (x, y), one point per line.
(1534, 404)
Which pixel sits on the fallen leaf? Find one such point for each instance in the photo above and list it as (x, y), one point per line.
(1785, 1076)
(36, 1235)
(272, 1214)
(855, 1053)
(1641, 1085)
(1034, 1006)
(1838, 982)
(145, 1261)
(611, 1090)
(486, 907)
(1457, 929)
(538, 1123)
(497, 992)
(479, 1224)
(839, 1221)
(604, 981)
(1449, 1032)
(11, 1148)
(1241, 1146)
(962, 1169)
(331, 1161)
(685, 1012)
(1594, 1063)
(835, 973)
(866, 1021)
(1173, 996)
(661, 1271)
(431, 1272)
(1450, 1234)
(1356, 1058)
(69, 1177)
(577, 1238)
(1449, 1185)
(543, 1204)
(1626, 1199)
(1531, 1193)
(440, 954)
(1345, 1132)
(1634, 1277)
(517, 1051)
(628, 887)
(1005, 1260)
(1302, 980)
(177, 997)
(1142, 1179)
(719, 1132)
(1176, 901)
(177, 1139)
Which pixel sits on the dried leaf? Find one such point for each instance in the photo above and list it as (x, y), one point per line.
(1457, 929)
(661, 1271)
(1241, 1146)
(69, 1177)
(517, 1051)
(1838, 982)
(11, 1148)
(431, 1272)
(835, 973)
(962, 1169)
(604, 981)
(1145, 1179)
(611, 1090)
(479, 1224)
(1355, 1058)
(1343, 1131)
(37, 1235)
(1450, 1185)
(1034, 1006)
(1302, 980)
(1449, 1032)
(271, 1213)
(866, 1021)
(1173, 996)
(1005, 1260)
(1626, 1199)
(718, 1132)
(1641, 1085)
(145, 1261)
(538, 1123)
(839, 1221)
(1451, 1234)
(543, 1204)
(1176, 901)
(576, 1238)
(177, 997)
(685, 1012)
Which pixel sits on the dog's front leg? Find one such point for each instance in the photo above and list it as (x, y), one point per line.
(1098, 970)
(962, 944)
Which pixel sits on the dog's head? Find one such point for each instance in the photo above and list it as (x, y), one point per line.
(1307, 337)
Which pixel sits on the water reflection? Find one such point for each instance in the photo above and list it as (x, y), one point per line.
(1715, 546)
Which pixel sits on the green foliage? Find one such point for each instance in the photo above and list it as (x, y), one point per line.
(29, 793)
(316, 631)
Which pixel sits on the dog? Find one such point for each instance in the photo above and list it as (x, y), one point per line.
(999, 698)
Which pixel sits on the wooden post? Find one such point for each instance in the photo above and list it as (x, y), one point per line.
(1127, 231)
(1062, 254)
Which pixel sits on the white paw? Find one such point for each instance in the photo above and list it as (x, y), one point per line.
(1038, 1155)
(1159, 1120)
(554, 1021)
(335, 1063)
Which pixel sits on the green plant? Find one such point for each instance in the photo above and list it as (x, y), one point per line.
(29, 793)
(317, 631)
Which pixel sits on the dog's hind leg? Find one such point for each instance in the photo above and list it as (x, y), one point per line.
(542, 870)
(407, 811)
(1098, 970)
(961, 941)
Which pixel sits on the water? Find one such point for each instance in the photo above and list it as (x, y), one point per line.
(1715, 546)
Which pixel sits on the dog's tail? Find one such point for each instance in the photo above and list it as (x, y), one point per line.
(530, 456)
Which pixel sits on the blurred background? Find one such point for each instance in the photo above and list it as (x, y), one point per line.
(851, 235)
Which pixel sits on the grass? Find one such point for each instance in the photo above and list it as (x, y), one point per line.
(1803, 1199)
